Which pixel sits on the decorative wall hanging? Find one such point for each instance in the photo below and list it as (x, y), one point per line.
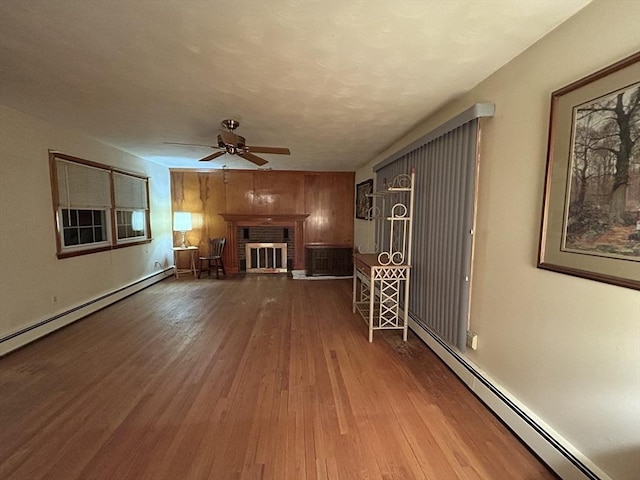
(591, 213)
(363, 202)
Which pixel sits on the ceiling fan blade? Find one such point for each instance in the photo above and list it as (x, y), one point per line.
(274, 150)
(188, 144)
(253, 158)
(212, 156)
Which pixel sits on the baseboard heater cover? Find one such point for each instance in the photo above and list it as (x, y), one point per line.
(28, 334)
(556, 452)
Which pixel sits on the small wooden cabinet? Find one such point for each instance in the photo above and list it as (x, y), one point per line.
(323, 259)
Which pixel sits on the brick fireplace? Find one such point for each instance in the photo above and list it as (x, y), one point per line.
(288, 228)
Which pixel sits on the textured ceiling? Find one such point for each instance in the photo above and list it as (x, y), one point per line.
(335, 81)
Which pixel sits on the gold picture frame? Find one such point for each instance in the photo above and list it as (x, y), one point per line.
(591, 210)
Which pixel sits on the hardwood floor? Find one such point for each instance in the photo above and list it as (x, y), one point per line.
(257, 377)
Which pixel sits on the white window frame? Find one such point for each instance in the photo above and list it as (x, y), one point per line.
(84, 246)
(130, 194)
(136, 238)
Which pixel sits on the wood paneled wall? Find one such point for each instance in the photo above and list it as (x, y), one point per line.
(328, 198)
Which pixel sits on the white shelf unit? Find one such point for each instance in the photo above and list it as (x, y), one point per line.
(381, 271)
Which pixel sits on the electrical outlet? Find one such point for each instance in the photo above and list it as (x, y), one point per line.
(472, 340)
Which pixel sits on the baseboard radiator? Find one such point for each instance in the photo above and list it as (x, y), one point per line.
(266, 257)
(41, 328)
(555, 451)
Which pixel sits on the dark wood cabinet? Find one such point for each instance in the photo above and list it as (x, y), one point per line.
(328, 260)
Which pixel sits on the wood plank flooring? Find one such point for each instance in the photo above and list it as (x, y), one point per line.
(256, 377)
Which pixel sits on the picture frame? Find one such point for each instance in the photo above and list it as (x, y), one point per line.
(591, 207)
(363, 201)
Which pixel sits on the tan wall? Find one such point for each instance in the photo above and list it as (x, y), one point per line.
(567, 348)
(326, 196)
(31, 273)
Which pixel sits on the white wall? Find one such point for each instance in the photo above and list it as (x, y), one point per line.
(567, 348)
(31, 273)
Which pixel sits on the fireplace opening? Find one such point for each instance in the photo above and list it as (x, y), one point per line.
(265, 249)
(266, 257)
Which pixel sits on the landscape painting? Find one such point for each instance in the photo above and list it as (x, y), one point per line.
(591, 207)
(602, 213)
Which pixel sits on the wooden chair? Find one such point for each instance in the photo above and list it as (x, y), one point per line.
(214, 260)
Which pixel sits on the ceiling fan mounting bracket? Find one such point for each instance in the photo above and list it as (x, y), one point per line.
(230, 124)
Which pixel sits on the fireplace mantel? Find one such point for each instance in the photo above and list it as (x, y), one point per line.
(235, 220)
(257, 219)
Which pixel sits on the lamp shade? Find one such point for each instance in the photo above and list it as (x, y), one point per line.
(182, 221)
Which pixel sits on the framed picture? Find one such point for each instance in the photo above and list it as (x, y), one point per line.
(591, 213)
(363, 202)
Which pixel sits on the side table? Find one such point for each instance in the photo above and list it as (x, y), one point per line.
(192, 259)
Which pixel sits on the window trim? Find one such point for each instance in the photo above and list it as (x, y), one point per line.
(113, 242)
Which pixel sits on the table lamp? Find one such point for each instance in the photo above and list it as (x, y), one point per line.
(182, 224)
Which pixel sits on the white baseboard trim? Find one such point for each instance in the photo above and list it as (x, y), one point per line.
(554, 450)
(39, 329)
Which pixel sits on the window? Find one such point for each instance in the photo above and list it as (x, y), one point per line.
(130, 225)
(130, 194)
(91, 200)
(82, 227)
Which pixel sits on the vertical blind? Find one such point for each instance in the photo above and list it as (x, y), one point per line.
(444, 196)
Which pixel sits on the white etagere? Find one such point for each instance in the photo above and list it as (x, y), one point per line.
(382, 270)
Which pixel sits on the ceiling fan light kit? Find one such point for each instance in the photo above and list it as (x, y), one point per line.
(232, 144)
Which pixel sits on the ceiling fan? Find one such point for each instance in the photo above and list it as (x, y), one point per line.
(229, 142)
